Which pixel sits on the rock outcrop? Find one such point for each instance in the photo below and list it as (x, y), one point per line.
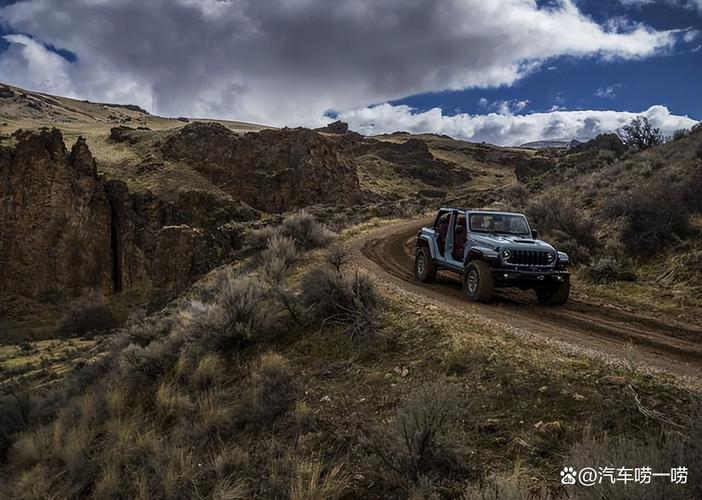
(65, 231)
(55, 219)
(412, 158)
(271, 170)
(338, 127)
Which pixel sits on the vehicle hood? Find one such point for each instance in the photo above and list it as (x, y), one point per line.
(513, 242)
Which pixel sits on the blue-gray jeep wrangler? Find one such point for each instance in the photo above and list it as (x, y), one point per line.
(489, 250)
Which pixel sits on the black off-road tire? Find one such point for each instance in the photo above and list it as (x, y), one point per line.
(478, 283)
(424, 268)
(554, 295)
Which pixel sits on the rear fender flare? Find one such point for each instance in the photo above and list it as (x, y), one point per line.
(425, 240)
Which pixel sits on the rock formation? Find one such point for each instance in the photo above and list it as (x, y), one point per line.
(55, 221)
(271, 170)
(65, 231)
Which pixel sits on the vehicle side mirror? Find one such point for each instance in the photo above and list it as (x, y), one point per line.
(535, 234)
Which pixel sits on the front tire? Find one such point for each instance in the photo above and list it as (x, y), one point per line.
(424, 268)
(554, 295)
(478, 283)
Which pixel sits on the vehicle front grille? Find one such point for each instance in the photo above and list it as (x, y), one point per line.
(529, 258)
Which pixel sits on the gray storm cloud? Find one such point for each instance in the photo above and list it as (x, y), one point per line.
(287, 62)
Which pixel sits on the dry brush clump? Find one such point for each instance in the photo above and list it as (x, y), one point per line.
(89, 315)
(302, 227)
(417, 442)
(270, 393)
(571, 230)
(335, 296)
(654, 218)
(608, 269)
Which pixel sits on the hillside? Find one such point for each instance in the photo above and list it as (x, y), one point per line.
(211, 309)
(178, 195)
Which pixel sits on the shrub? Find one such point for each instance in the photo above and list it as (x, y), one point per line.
(14, 413)
(348, 299)
(312, 482)
(271, 392)
(662, 453)
(339, 257)
(680, 133)
(571, 231)
(307, 232)
(89, 315)
(609, 269)
(416, 441)
(302, 227)
(242, 313)
(640, 134)
(511, 486)
(517, 195)
(653, 218)
(278, 258)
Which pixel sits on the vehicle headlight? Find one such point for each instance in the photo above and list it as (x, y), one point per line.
(506, 254)
(550, 257)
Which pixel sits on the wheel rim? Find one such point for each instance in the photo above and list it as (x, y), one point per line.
(472, 281)
(420, 264)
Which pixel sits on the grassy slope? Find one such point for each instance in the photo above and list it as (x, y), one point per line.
(523, 405)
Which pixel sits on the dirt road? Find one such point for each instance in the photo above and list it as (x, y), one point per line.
(387, 253)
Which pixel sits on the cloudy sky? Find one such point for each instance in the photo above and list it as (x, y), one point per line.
(501, 71)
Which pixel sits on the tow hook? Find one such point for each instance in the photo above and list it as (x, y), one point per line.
(541, 277)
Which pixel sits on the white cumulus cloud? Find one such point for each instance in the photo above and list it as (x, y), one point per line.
(506, 129)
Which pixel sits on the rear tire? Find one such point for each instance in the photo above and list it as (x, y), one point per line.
(554, 295)
(424, 268)
(478, 283)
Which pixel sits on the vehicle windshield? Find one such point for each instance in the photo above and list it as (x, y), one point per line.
(499, 223)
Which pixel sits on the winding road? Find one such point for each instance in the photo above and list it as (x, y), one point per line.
(388, 254)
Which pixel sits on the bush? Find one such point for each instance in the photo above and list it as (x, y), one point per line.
(14, 413)
(653, 217)
(416, 441)
(680, 133)
(609, 269)
(271, 392)
(640, 134)
(662, 453)
(348, 299)
(307, 232)
(302, 227)
(517, 195)
(512, 486)
(570, 230)
(312, 482)
(339, 257)
(89, 315)
(278, 258)
(242, 313)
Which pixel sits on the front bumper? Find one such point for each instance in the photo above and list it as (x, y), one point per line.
(530, 277)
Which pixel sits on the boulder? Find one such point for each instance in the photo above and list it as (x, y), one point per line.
(337, 127)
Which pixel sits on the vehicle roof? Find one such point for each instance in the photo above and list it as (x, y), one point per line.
(474, 211)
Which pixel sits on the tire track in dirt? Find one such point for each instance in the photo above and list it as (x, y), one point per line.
(672, 347)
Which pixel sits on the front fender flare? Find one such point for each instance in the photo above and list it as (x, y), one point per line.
(482, 253)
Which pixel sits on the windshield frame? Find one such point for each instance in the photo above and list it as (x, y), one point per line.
(528, 232)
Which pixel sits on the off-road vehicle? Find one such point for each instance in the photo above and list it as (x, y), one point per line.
(489, 250)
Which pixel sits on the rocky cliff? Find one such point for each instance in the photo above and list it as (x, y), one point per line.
(65, 231)
(271, 170)
(55, 220)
